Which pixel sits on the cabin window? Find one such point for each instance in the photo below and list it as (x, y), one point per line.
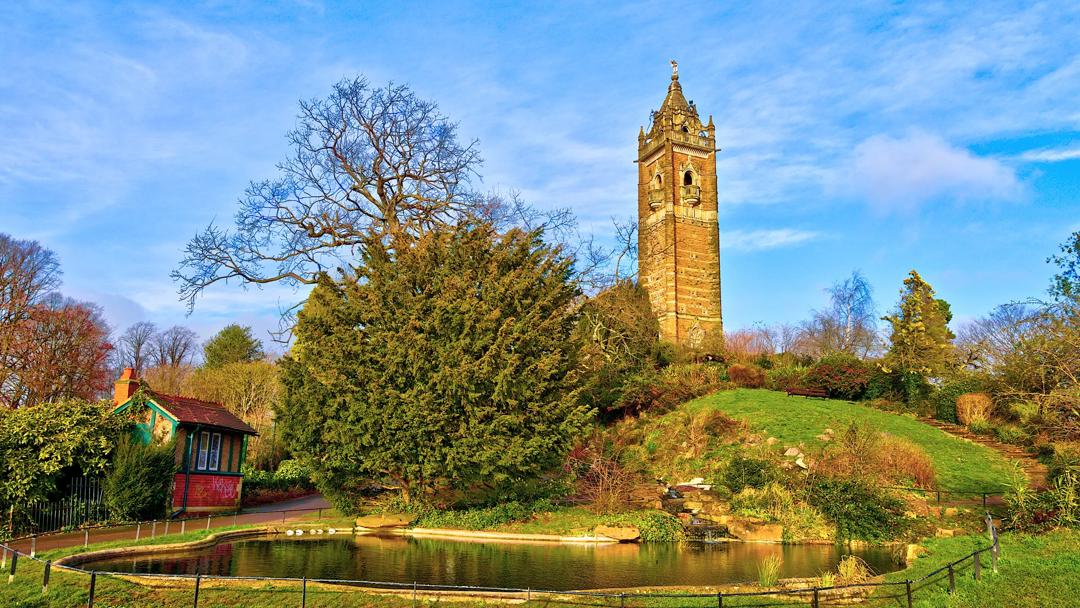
(209, 451)
(215, 452)
(688, 178)
(204, 448)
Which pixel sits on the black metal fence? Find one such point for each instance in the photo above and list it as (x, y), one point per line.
(83, 504)
(891, 593)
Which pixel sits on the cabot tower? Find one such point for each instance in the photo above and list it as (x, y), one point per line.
(678, 233)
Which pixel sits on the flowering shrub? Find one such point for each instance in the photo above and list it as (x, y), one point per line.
(842, 375)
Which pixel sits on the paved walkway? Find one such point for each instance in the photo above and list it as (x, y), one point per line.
(263, 514)
(1036, 471)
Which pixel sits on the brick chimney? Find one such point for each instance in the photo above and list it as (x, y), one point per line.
(125, 386)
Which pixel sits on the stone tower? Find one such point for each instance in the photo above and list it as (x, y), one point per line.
(678, 233)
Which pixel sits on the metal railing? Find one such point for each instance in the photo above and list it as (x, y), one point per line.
(892, 592)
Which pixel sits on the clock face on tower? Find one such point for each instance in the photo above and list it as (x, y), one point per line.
(678, 232)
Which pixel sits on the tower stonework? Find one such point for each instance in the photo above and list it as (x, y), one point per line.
(678, 232)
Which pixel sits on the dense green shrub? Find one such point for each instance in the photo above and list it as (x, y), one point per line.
(141, 478)
(664, 390)
(858, 510)
(483, 518)
(743, 472)
(1011, 433)
(785, 377)
(655, 526)
(842, 375)
(943, 398)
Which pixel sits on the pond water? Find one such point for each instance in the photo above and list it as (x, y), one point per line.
(553, 566)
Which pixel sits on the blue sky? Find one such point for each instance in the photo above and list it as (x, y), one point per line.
(876, 136)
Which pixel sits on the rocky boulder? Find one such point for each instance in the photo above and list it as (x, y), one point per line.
(623, 534)
(755, 531)
(381, 521)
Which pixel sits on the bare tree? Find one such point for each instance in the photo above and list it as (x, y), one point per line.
(136, 345)
(63, 351)
(986, 342)
(626, 247)
(366, 163)
(174, 347)
(29, 273)
(849, 325)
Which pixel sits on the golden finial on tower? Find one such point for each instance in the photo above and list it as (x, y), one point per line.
(674, 70)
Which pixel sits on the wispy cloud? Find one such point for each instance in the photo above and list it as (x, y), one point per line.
(1051, 155)
(903, 173)
(761, 240)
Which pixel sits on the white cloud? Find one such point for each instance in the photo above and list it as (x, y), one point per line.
(1051, 155)
(903, 173)
(761, 240)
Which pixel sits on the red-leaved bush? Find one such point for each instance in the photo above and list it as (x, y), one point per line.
(842, 375)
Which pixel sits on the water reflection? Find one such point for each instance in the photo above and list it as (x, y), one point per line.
(536, 565)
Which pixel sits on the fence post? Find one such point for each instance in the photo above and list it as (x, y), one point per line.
(3, 560)
(719, 599)
(153, 530)
(320, 513)
(413, 590)
(978, 566)
(93, 586)
(166, 528)
(33, 546)
(234, 519)
(207, 521)
(86, 537)
(303, 595)
(984, 500)
(198, 579)
(993, 558)
(952, 580)
(14, 564)
(45, 578)
(622, 600)
(183, 526)
(815, 601)
(907, 585)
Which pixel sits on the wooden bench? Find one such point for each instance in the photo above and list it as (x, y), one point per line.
(808, 392)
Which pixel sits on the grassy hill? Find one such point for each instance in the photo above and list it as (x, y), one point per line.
(960, 465)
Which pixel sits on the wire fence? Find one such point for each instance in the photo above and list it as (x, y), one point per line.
(140, 530)
(304, 592)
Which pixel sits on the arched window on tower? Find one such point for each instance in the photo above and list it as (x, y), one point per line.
(688, 178)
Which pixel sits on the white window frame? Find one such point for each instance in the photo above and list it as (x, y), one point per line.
(214, 460)
(204, 445)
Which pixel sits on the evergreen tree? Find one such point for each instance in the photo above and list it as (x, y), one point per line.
(443, 365)
(233, 344)
(920, 344)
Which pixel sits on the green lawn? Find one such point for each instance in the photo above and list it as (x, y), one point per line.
(960, 465)
(1034, 571)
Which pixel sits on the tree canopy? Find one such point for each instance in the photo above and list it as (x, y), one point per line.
(233, 344)
(920, 342)
(51, 347)
(445, 366)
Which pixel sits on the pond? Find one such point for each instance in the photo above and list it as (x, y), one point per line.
(552, 566)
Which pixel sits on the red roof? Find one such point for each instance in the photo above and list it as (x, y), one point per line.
(193, 411)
